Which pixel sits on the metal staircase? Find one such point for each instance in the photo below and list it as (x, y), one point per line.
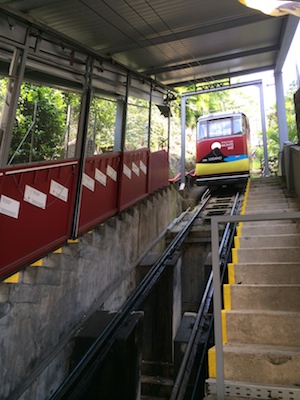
(261, 312)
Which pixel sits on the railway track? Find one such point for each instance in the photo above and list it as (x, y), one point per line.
(75, 386)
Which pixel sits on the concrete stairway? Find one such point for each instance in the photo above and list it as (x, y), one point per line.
(261, 316)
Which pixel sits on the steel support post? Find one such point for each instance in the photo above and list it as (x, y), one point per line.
(118, 128)
(183, 117)
(81, 141)
(149, 118)
(281, 110)
(217, 308)
(263, 127)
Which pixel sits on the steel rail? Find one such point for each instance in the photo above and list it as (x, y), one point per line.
(183, 375)
(76, 383)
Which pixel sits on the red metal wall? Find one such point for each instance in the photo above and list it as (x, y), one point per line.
(37, 201)
(99, 199)
(36, 206)
(158, 170)
(133, 178)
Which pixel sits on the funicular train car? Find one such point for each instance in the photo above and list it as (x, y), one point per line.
(222, 149)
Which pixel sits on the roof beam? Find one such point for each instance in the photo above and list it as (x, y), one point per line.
(212, 60)
(28, 5)
(204, 79)
(286, 40)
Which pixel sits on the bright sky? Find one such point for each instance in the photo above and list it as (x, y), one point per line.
(289, 75)
(289, 72)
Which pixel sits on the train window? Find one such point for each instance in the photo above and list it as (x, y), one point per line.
(202, 131)
(219, 127)
(237, 125)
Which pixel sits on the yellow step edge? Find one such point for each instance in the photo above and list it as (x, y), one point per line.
(227, 297)
(231, 273)
(234, 256)
(58, 251)
(237, 242)
(212, 368)
(72, 240)
(37, 263)
(239, 230)
(224, 327)
(13, 278)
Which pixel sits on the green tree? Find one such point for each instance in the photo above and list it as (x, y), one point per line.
(102, 124)
(3, 84)
(272, 132)
(44, 110)
(137, 124)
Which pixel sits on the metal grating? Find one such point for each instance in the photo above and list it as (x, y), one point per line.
(254, 390)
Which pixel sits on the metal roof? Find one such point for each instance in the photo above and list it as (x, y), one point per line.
(174, 42)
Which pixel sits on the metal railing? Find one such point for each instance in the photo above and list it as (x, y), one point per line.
(217, 302)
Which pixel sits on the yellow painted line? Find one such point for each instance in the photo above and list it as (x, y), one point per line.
(58, 251)
(224, 327)
(231, 275)
(212, 368)
(227, 297)
(72, 240)
(235, 256)
(237, 242)
(239, 230)
(37, 263)
(13, 278)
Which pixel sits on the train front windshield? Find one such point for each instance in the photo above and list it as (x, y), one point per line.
(212, 128)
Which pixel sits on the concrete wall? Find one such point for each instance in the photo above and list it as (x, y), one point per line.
(291, 167)
(39, 315)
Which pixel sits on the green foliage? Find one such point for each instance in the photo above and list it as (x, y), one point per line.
(3, 84)
(159, 130)
(137, 124)
(44, 140)
(102, 124)
(272, 133)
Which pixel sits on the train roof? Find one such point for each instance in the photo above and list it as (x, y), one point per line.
(220, 114)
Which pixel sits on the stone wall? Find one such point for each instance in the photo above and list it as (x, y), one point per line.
(39, 315)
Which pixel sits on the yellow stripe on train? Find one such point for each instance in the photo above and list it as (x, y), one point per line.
(222, 167)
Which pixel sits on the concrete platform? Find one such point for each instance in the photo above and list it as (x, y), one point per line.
(269, 273)
(258, 327)
(266, 254)
(274, 228)
(263, 297)
(260, 364)
(279, 240)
